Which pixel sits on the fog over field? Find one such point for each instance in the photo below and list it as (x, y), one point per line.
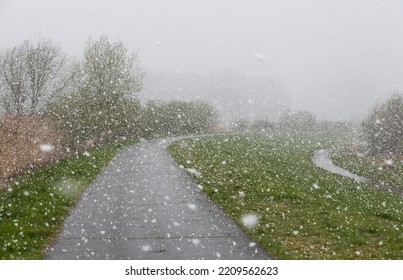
(333, 58)
(202, 130)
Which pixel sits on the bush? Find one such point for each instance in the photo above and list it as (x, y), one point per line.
(300, 121)
(384, 127)
(177, 118)
(264, 126)
(88, 120)
(240, 125)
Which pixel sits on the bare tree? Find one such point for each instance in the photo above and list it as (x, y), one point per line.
(43, 65)
(30, 74)
(13, 79)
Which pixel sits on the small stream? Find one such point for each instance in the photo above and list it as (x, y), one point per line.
(321, 159)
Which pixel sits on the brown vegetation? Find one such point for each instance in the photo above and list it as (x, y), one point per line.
(26, 141)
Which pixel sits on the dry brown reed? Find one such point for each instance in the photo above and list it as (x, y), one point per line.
(27, 141)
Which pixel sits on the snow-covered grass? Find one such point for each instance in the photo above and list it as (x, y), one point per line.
(303, 211)
(33, 207)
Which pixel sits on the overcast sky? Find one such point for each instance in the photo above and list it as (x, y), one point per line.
(334, 57)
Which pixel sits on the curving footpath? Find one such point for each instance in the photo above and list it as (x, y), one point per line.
(321, 159)
(143, 206)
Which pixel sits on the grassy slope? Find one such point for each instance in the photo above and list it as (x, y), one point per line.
(372, 168)
(33, 208)
(305, 212)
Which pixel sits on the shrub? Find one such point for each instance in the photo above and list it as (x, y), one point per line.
(177, 118)
(300, 121)
(264, 126)
(88, 120)
(241, 125)
(384, 126)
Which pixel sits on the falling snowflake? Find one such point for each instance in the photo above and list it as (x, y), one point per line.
(192, 206)
(146, 248)
(46, 148)
(193, 171)
(250, 220)
(259, 57)
(196, 241)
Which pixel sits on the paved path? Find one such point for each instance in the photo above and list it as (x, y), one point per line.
(143, 206)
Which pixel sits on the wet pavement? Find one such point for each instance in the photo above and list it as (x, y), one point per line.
(321, 159)
(144, 206)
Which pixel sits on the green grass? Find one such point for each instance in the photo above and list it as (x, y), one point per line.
(34, 206)
(304, 212)
(372, 167)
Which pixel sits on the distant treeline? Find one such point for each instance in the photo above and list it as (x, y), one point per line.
(298, 122)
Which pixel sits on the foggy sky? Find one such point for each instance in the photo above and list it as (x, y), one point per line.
(335, 57)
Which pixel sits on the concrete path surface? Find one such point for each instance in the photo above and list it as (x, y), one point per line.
(143, 206)
(321, 159)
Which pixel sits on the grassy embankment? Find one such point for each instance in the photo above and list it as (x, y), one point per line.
(304, 212)
(34, 206)
(374, 168)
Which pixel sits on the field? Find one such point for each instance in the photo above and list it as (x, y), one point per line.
(292, 208)
(384, 171)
